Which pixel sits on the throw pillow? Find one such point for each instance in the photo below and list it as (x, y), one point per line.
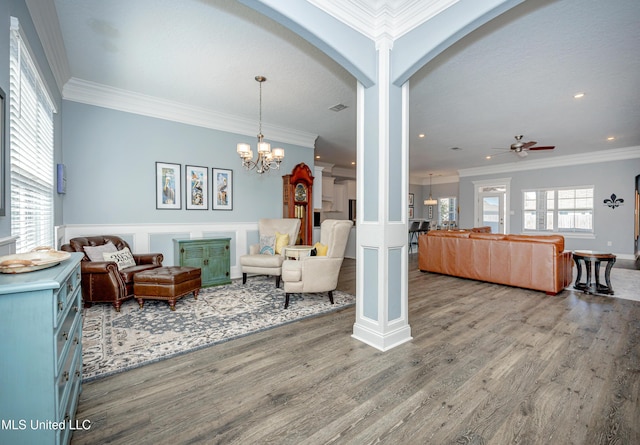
(95, 252)
(123, 258)
(321, 249)
(282, 240)
(267, 244)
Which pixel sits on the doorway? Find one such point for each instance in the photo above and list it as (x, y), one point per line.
(492, 204)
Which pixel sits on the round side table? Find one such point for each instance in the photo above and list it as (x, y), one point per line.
(297, 252)
(587, 257)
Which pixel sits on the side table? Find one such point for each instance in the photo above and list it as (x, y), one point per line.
(588, 257)
(297, 252)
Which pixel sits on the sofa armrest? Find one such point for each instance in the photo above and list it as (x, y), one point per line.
(148, 258)
(98, 267)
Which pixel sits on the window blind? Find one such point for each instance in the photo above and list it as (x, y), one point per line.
(31, 149)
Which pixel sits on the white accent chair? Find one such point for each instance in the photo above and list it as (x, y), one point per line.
(318, 273)
(261, 264)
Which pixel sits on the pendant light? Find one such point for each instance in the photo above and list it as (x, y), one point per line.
(430, 201)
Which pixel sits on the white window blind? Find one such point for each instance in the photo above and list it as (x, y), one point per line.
(31, 149)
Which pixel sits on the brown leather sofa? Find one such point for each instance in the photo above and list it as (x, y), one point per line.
(536, 262)
(101, 280)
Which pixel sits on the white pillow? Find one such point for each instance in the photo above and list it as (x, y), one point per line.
(95, 252)
(267, 245)
(123, 258)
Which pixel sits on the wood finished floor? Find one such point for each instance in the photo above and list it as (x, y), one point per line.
(488, 364)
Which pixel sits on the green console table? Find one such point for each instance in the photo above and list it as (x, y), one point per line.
(209, 254)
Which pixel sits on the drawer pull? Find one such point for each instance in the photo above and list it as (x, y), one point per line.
(76, 308)
(60, 305)
(65, 375)
(69, 287)
(77, 373)
(65, 335)
(75, 340)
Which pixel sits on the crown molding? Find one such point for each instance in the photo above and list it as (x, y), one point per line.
(91, 93)
(383, 19)
(616, 154)
(45, 20)
(420, 180)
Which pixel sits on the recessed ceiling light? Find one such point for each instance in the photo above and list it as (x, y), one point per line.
(317, 156)
(421, 135)
(456, 148)
(353, 162)
(611, 138)
(578, 95)
(488, 157)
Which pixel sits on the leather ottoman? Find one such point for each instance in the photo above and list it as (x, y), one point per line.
(166, 283)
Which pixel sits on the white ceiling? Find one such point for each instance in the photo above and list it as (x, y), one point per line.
(515, 75)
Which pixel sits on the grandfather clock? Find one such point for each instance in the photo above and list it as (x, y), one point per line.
(297, 200)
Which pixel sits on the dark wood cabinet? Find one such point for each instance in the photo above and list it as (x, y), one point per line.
(297, 200)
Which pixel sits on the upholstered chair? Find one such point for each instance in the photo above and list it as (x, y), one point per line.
(105, 281)
(318, 273)
(265, 260)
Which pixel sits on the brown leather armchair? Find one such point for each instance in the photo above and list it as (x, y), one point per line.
(101, 280)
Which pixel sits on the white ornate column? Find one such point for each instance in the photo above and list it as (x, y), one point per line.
(381, 262)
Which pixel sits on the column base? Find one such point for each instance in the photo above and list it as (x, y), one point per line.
(382, 341)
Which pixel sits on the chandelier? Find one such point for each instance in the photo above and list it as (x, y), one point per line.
(267, 159)
(430, 201)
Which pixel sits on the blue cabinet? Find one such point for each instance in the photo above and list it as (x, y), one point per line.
(211, 255)
(40, 354)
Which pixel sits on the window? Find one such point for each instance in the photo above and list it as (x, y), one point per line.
(31, 148)
(559, 210)
(447, 211)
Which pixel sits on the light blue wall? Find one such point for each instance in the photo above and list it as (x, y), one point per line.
(615, 225)
(110, 157)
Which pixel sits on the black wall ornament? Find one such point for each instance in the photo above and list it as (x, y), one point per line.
(614, 201)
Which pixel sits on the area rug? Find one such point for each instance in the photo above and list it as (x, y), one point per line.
(113, 341)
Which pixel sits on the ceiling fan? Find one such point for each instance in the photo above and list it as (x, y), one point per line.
(521, 148)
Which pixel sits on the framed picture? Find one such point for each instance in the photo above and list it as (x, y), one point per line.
(222, 189)
(411, 199)
(410, 212)
(196, 180)
(168, 190)
(3, 137)
(430, 212)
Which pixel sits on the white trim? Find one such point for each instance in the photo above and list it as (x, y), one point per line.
(615, 154)
(91, 93)
(45, 19)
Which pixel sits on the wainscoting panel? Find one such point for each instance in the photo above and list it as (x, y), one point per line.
(147, 238)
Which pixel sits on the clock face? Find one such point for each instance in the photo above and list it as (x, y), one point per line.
(301, 193)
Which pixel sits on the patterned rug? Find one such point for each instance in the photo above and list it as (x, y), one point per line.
(113, 342)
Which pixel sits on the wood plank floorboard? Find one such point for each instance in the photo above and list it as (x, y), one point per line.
(488, 364)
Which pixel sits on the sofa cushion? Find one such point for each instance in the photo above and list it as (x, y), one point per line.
(123, 258)
(95, 252)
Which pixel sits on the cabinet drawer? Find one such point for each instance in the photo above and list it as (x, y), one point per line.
(65, 294)
(71, 370)
(67, 334)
